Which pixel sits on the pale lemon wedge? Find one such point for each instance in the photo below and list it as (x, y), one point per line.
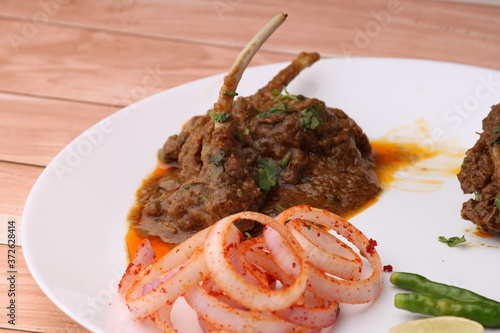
(445, 324)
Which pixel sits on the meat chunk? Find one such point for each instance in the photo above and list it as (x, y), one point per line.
(272, 151)
(480, 174)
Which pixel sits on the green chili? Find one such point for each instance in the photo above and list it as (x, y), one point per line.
(418, 283)
(486, 314)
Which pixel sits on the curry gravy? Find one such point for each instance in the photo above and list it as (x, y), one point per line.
(390, 157)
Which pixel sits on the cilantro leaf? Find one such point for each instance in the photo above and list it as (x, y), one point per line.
(452, 241)
(477, 196)
(284, 162)
(219, 117)
(310, 117)
(217, 157)
(230, 93)
(268, 174)
(279, 108)
(279, 208)
(496, 140)
(286, 95)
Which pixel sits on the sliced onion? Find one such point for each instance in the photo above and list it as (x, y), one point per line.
(255, 252)
(262, 284)
(332, 288)
(224, 317)
(321, 314)
(251, 273)
(194, 270)
(234, 285)
(161, 318)
(325, 251)
(143, 304)
(142, 258)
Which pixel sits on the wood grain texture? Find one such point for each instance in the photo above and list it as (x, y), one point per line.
(16, 182)
(388, 28)
(35, 129)
(107, 68)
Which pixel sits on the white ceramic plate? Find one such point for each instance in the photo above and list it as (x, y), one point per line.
(74, 221)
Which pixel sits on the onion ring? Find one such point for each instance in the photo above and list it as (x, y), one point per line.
(329, 287)
(224, 317)
(161, 318)
(325, 251)
(167, 270)
(193, 271)
(261, 284)
(142, 258)
(234, 285)
(321, 314)
(255, 252)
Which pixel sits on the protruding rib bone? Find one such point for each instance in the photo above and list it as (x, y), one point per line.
(284, 77)
(232, 79)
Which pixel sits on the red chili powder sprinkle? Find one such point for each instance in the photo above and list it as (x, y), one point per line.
(387, 268)
(371, 246)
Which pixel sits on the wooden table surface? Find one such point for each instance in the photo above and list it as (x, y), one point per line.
(66, 64)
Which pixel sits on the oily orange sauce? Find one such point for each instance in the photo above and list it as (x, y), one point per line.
(392, 156)
(389, 158)
(480, 233)
(133, 239)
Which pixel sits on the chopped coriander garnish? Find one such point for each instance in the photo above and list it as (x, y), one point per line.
(219, 117)
(497, 202)
(268, 174)
(241, 135)
(161, 155)
(286, 159)
(230, 93)
(452, 241)
(275, 92)
(216, 159)
(310, 117)
(495, 141)
(286, 95)
(279, 108)
(279, 208)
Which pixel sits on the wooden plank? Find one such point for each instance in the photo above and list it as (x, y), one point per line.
(34, 312)
(108, 68)
(16, 182)
(477, 2)
(35, 129)
(394, 28)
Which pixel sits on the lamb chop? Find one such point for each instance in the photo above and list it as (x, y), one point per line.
(265, 152)
(480, 174)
